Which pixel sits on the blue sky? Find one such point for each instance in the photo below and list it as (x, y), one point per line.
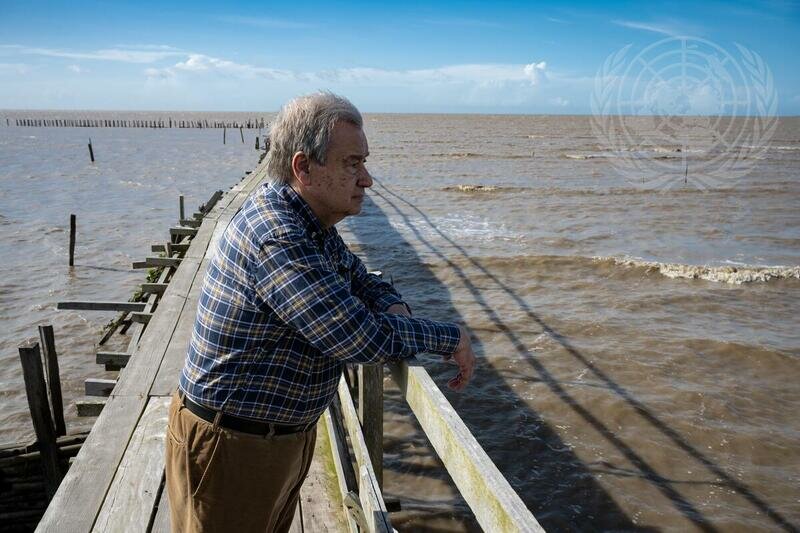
(500, 57)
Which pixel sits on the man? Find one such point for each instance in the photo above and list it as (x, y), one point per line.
(284, 305)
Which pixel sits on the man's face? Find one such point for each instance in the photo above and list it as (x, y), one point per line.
(338, 185)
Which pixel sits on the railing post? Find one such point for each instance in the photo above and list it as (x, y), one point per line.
(40, 413)
(370, 414)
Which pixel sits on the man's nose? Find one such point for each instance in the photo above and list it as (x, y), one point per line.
(366, 179)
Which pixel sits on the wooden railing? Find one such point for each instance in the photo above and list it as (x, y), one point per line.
(496, 506)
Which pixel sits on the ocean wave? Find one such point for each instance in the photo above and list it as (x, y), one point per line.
(482, 188)
(735, 275)
(475, 155)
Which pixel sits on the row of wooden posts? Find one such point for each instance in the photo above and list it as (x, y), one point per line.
(224, 141)
(135, 314)
(169, 122)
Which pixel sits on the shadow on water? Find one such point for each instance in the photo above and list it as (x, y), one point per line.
(580, 504)
(583, 504)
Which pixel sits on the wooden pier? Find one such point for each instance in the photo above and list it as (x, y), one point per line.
(116, 481)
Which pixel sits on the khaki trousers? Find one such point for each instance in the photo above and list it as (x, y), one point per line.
(224, 480)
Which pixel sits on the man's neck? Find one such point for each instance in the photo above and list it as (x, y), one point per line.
(312, 204)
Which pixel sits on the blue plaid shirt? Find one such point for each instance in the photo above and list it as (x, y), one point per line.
(284, 305)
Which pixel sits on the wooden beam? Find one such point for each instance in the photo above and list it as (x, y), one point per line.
(176, 247)
(183, 231)
(99, 387)
(369, 491)
(101, 306)
(89, 407)
(154, 288)
(33, 374)
(141, 318)
(115, 358)
(151, 262)
(495, 504)
(192, 223)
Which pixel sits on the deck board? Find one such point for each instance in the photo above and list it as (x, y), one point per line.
(132, 496)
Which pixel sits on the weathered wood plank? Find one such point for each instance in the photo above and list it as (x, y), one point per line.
(36, 391)
(131, 498)
(114, 358)
(297, 521)
(98, 386)
(77, 501)
(90, 407)
(48, 344)
(190, 222)
(141, 318)
(161, 522)
(153, 262)
(319, 496)
(101, 306)
(370, 414)
(336, 451)
(154, 288)
(495, 504)
(182, 231)
(369, 491)
(176, 247)
(166, 381)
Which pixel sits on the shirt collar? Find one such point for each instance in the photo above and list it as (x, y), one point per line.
(311, 222)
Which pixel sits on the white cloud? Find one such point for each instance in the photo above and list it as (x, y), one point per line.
(559, 101)
(199, 64)
(111, 54)
(76, 69)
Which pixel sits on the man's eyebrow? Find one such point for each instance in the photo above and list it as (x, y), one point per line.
(357, 156)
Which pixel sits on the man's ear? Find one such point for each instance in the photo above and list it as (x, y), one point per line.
(300, 168)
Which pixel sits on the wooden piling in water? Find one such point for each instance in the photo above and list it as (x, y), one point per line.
(33, 375)
(91, 152)
(52, 374)
(241, 133)
(181, 212)
(72, 225)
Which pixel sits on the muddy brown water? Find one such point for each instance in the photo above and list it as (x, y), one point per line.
(639, 348)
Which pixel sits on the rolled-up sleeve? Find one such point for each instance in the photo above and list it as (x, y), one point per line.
(296, 282)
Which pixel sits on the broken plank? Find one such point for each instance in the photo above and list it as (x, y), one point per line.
(101, 306)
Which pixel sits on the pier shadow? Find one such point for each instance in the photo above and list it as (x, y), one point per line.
(566, 496)
(580, 503)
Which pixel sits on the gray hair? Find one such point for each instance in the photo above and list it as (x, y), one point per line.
(305, 125)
